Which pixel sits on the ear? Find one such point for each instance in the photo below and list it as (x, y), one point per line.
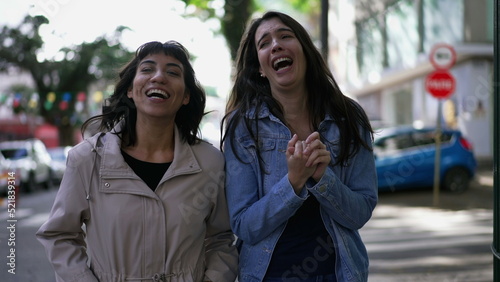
(261, 72)
(187, 98)
(129, 93)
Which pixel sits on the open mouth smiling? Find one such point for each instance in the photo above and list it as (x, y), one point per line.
(157, 94)
(282, 63)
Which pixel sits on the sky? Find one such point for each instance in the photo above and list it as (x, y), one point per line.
(75, 21)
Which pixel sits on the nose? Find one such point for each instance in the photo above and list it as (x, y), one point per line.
(159, 77)
(276, 46)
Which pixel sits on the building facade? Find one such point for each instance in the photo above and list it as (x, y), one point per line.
(380, 52)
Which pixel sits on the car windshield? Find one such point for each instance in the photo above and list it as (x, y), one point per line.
(14, 154)
(57, 154)
(408, 140)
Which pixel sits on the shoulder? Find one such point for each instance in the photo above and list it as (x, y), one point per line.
(207, 154)
(85, 150)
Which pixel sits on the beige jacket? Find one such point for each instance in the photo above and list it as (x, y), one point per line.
(180, 232)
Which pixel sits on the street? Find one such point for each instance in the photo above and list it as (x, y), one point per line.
(408, 239)
(30, 262)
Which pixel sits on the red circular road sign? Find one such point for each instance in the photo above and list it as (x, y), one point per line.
(440, 84)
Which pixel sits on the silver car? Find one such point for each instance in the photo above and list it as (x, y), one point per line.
(31, 159)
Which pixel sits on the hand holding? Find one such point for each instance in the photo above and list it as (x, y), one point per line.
(318, 156)
(298, 171)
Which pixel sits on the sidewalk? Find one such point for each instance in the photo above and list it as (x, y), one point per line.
(410, 239)
(484, 173)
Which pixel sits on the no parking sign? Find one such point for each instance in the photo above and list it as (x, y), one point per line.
(441, 83)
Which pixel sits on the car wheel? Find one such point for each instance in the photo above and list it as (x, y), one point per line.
(30, 184)
(47, 184)
(456, 180)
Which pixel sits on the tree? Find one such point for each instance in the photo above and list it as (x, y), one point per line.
(237, 13)
(233, 22)
(80, 66)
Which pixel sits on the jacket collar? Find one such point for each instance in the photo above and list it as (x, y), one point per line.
(264, 112)
(113, 164)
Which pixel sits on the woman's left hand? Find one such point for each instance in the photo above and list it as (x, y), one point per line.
(317, 155)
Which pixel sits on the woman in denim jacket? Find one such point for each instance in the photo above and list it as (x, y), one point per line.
(300, 172)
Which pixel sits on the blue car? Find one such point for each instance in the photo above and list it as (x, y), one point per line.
(405, 158)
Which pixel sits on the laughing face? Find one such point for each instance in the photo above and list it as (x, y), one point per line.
(158, 89)
(280, 54)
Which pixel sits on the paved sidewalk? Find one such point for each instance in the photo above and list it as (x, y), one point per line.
(411, 239)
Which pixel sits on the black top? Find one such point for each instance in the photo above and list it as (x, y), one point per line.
(151, 173)
(305, 248)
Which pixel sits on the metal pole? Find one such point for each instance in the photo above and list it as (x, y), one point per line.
(437, 160)
(496, 150)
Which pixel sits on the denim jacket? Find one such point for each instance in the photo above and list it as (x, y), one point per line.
(261, 200)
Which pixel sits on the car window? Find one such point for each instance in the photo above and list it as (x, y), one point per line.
(429, 137)
(423, 138)
(403, 141)
(446, 137)
(395, 143)
(57, 154)
(392, 144)
(15, 154)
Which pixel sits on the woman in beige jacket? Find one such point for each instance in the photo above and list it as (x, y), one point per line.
(143, 199)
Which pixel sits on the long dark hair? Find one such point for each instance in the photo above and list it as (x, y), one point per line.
(119, 107)
(324, 95)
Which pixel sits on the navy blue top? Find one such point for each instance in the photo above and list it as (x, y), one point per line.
(305, 248)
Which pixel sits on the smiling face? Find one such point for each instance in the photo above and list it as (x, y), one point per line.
(280, 54)
(158, 88)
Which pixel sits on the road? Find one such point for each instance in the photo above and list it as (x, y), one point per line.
(408, 238)
(412, 238)
(31, 264)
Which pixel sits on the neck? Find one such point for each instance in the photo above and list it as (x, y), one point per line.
(155, 142)
(296, 112)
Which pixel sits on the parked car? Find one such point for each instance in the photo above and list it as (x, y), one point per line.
(8, 177)
(58, 157)
(31, 159)
(405, 158)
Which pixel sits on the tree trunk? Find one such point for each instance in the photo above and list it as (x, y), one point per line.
(237, 13)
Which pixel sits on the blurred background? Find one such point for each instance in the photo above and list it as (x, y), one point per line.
(59, 61)
(59, 58)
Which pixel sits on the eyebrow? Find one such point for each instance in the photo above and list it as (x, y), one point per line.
(281, 29)
(154, 63)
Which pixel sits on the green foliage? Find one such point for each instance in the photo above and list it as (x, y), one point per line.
(237, 13)
(18, 46)
(233, 22)
(80, 65)
(306, 6)
(203, 10)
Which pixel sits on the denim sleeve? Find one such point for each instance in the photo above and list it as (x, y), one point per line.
(254, 215)
(349, 194)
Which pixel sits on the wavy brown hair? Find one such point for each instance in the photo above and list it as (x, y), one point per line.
(120, 107)
(324, 95)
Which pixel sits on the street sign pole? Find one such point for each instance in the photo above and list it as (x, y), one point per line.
(440, 84)
(437, 160)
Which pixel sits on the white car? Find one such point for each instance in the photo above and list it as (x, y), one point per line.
(31, 159)
(58, 164)
(8, 177)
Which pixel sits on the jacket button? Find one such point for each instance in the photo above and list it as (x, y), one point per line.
(106, 185)
(322, 188)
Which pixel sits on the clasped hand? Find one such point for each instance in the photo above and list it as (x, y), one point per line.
(305, 159)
